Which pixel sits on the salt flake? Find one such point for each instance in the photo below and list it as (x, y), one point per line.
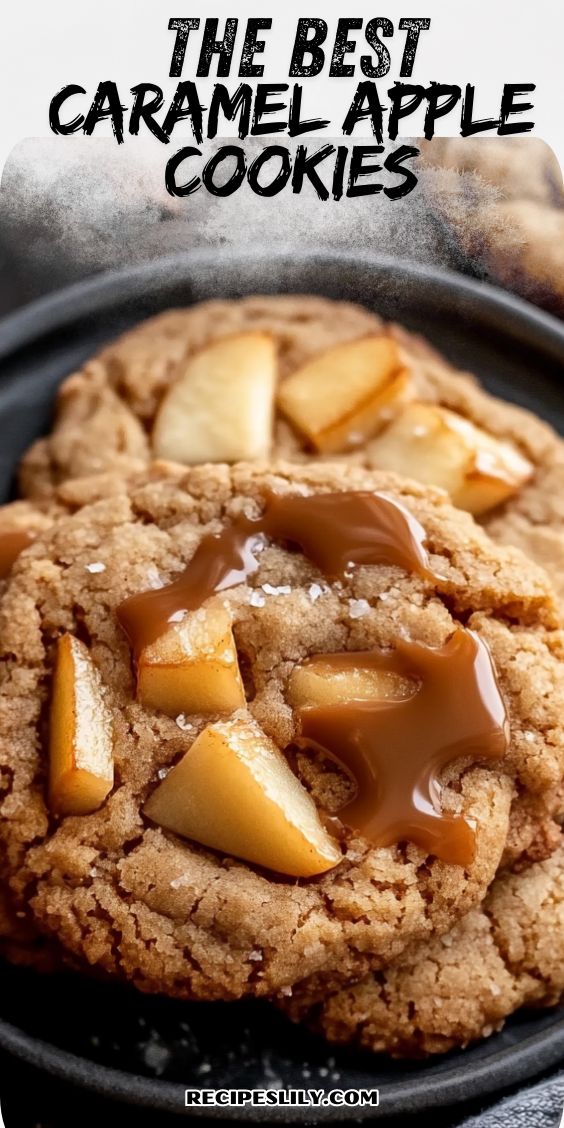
(284, 589)
(358, 608)
(178, 882)
(183, 723)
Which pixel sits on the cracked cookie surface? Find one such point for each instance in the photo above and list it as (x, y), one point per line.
(460, 987)
(177, 918)
(106, 411)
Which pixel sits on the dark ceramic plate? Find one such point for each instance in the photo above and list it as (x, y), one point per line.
(146, 1051)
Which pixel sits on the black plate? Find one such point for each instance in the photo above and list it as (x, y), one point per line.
(147, 1050)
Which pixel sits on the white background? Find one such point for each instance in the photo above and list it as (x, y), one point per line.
(45, 45)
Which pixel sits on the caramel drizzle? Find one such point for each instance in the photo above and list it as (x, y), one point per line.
(394, 751)
(336, 531)
(11, 545)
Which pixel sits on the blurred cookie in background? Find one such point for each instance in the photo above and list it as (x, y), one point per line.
(502, 200)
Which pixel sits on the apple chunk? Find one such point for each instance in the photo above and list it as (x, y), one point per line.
(319, 683)
(221, 407)
(344, 395)
(193, 667)
(233, 791)
(440, 448)
(81, 765)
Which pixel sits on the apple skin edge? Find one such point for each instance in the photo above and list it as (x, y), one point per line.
(81, 766)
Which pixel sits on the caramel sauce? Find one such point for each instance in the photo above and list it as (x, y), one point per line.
(394, 750)
(11, 544)
(336, 531)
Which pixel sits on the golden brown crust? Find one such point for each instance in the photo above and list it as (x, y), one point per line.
(503, 201)
(459, 987)
(177, 918)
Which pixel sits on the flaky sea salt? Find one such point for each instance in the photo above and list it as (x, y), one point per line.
(183, 723)
(256, 599)
(255, 955)
(97, 566)
(177, 617)
(153, 578)
(314, 591)
(284, 589)
(358, 608)
(162, 773)
(178, 882)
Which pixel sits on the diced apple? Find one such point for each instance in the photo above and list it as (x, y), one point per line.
(341, 397)
(221, 407)
(234, 791)
(440, 448)
(317, 683)
(81, 765)
(193, 667)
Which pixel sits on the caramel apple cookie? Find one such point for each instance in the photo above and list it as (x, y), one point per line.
(502, 200)
(210, 631)
(507, 456)
(460, 987)
(227, 356)
(20, 523)
(307, 378)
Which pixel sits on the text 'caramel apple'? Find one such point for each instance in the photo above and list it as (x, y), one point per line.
(81, 766)
(341, 397)
(221, 407)
(440, 448)
(234, 791)
(192, 667)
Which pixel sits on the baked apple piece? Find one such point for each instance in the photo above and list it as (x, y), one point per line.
(193, 667)
(341, 397)
(81, 766)
(233, 791)
(319, 683)
(221, 407)
(440, 448)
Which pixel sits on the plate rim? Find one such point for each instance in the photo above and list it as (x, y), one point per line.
(513, 1063)
(512, 314)
(62, 307)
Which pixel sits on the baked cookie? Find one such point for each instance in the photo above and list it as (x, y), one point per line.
(106, 412)
(460, 987)
(503, 202)
(532, 515)
(163, 388)
(20, 523)
(93, 854)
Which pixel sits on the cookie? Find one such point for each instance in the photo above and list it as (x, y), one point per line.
(533, 516)
(503, 203)
(106, 411)
(20, 522)
(129, 896)
(460, 987)
(113, 413)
